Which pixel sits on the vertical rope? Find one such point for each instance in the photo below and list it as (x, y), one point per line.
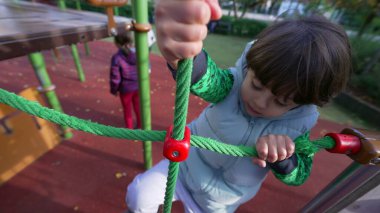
(185, 68)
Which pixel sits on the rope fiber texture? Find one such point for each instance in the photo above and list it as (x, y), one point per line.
(185, 67)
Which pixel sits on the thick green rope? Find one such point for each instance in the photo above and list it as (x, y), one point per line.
(183, 80)
(185, 68)
(303, 143)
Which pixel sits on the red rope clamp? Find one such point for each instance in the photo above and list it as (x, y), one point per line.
(344, 144)
(177, 150)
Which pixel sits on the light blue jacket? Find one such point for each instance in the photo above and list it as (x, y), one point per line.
(220, 183)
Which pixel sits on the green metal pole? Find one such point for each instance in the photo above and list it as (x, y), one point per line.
(87, 48)
(140, 13)
(74, 52)
(38, 63)
(78, 6)
(74, 49)
(116, 11)
(61, 4)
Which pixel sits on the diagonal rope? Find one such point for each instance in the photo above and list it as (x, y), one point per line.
(34, 108)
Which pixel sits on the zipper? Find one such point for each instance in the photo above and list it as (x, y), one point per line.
(248, 132)
(243, 141)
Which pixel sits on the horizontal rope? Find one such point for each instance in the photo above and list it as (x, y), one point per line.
(36, 109)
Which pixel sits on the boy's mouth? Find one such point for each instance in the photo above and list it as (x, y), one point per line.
(252, 111)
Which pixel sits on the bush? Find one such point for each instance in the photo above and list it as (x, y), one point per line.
(239, 27)
(363, 49)
(368, 84)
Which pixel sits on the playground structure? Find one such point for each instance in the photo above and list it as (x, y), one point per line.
(21, 146)
(245, 152)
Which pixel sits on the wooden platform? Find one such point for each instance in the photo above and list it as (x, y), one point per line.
(27, 27)
(90, 173)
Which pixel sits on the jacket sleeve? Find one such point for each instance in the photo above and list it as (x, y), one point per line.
(296, 172)
(208, 82)
(215, 83)
(115, 77)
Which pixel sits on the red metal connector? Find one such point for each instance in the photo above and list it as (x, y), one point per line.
(177, 150)
(345, 144)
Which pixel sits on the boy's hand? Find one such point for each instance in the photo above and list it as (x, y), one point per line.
(273, 148)
(181, 27)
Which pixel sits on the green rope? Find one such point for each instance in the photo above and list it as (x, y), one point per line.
(303, 143)
(183, 80)
(185, 68)
(34, 108)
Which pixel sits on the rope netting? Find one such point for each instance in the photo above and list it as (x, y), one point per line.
(303, 144)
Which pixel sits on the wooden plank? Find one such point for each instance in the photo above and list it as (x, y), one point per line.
(28, 27)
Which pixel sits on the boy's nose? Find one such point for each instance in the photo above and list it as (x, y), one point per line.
(263, 101)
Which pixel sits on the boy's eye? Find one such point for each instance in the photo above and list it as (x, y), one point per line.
(254, 86)
(281, 103)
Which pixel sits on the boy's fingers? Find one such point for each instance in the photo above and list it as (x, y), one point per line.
(189, 33)
(186, 12)
(190, 12)
(216, 11)
(259, 162)
(290, 147)
(272, 151)
(281, 148)
(183, 50)
(262, 148)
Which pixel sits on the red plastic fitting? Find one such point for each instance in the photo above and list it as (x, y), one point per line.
(345, 144)
(177, 150)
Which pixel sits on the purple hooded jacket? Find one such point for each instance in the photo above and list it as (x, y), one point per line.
(123, 73)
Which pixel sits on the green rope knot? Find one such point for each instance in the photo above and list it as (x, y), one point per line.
(305, 146)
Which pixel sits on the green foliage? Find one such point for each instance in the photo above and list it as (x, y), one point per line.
(240, 27)
(369, 84)
(363, 49)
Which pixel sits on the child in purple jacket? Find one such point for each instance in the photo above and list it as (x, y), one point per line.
(123, 78)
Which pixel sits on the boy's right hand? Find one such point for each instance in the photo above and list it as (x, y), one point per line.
(273, 148)
(181, 27)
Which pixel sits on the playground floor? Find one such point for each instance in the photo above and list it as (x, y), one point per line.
(89, 173)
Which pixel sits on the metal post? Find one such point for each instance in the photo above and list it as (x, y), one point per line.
(74, 49)
(78, 6)
(74, 52)
(61, 4)
(355, 181)
(38, 63)
(116, 11)
(140, 13)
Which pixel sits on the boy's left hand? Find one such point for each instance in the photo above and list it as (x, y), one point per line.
(273, 148)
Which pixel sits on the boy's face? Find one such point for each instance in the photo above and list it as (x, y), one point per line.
(260, 102)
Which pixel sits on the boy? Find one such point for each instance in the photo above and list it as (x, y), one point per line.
(267, 100)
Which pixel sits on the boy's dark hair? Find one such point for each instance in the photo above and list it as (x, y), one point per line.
(123, 38)
(309, 57)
